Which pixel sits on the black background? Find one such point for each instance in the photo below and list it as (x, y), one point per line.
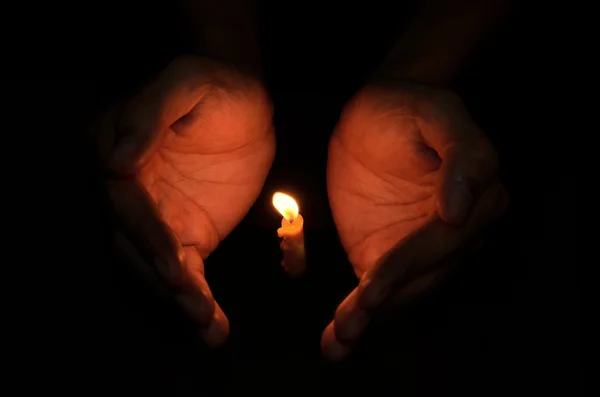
(507, 323)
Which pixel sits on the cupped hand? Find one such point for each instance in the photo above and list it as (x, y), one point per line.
(411, 181)
(190, 155)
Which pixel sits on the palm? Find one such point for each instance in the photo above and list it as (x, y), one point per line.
(209, 168)
(381, 180)
(405, 163)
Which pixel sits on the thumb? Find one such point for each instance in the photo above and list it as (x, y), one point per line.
(468, 158)
(465, 171)
(141, 224)
(148, 116)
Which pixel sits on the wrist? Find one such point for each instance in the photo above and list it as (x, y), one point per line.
(223, 30)
(416, 62)
(413, 74)
(440, 39)
(229, 44)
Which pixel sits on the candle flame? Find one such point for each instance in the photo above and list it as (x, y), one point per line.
(286, 205)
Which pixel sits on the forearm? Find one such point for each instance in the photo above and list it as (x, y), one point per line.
(225, 30)
(440, 37)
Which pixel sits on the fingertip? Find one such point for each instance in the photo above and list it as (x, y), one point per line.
(332, 349)
(172, 260)
(217, 331)
(197, 292)
(454, 201)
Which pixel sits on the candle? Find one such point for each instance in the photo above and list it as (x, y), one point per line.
(291, 231)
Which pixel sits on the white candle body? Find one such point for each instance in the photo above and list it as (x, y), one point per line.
(294, 256)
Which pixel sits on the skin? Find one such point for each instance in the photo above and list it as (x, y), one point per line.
(411, 180)
(191, 156)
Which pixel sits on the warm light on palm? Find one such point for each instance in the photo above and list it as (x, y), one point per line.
(411, 180)
(381, 180)
(193, 149)
(210, 167)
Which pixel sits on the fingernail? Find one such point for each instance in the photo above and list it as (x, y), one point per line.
(459, 201)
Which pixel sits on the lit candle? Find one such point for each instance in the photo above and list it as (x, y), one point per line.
(291, 230)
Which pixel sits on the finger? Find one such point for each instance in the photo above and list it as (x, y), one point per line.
(193, 259)
(348, 323)
(333, 349)
(195, 296)
(417, 288)
(465, 171)
(126, 251)
(421, 284)
(445, 122)
(197, 300)
(217, 331)
(468, 158)
(148, 116)
(341, 334)
(141, 224)
(177, 270)
(350, 319)
(428, 246)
